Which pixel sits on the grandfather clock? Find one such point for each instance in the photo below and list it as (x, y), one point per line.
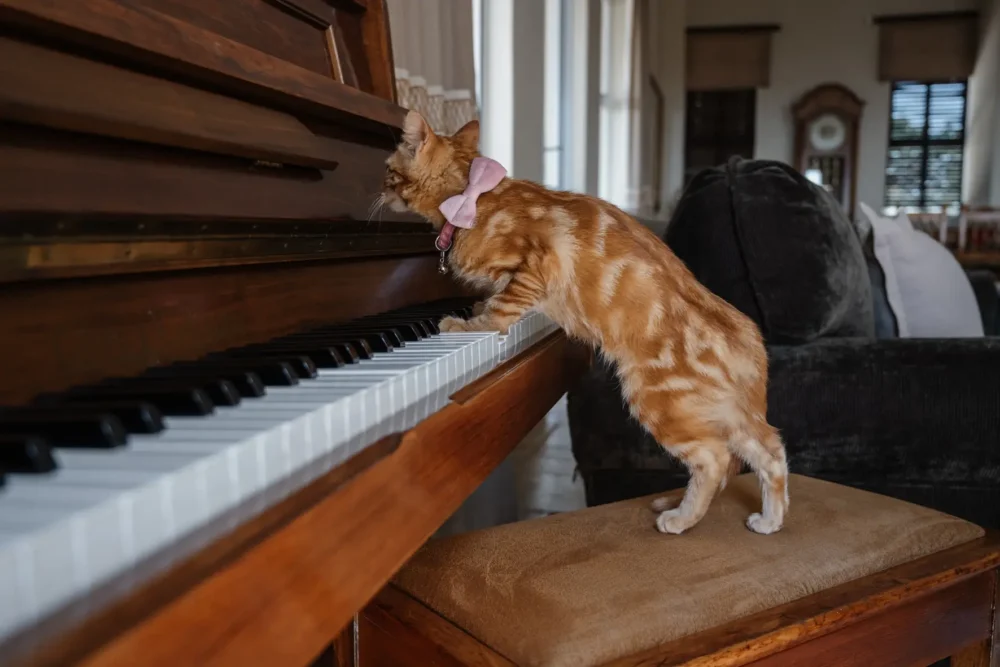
(827, 119)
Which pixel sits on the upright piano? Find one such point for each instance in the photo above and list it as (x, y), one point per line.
(228, 416)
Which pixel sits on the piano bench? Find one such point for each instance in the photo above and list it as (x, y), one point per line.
(854, 578)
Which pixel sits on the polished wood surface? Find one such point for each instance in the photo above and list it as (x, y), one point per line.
(283, 599)
(920, 632)
(165, 35)
(398, 630)
(73, 332)
(56, 89)
(914, 614)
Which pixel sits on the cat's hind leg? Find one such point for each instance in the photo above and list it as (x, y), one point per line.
(731, 464)
(707, 461)
(765, 453)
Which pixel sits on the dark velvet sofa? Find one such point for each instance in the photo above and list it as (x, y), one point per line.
(917, 419)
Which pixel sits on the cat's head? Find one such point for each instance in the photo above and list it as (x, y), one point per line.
(427, 168)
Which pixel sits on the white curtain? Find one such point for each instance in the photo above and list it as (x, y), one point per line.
(432, 49)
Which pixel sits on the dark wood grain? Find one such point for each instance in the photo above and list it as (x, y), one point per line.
(72, 332)
(378, 46)
(283, 600)
(976, 655)
(770, 632)
(61, 174)
(386, 642)
(140, 34)
(273, 27)
(47, 87)
(919, 632)
(402, 631)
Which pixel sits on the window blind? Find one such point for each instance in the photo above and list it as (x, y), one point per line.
(926, 145)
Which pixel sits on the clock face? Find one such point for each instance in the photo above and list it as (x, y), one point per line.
(827, 133)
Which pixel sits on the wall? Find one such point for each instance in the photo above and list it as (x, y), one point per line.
(663, 39)
(981, 185)
(821, 42)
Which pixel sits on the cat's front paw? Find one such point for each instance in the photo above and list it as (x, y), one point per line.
(453, 325)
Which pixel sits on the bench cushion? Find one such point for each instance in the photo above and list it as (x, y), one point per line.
(582, 588)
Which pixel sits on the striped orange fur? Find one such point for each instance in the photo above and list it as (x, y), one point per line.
(693, 369)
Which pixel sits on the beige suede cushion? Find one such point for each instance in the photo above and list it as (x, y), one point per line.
(583, 588)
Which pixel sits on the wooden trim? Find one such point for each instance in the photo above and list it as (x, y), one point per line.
(919, 632)
(749, 28)
(283, 600)
(885, 19)
(779, 629)
(149, 37)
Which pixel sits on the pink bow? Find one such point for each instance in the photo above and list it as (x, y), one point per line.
(484, 175)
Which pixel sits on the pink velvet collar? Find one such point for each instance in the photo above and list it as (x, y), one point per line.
(460, 210)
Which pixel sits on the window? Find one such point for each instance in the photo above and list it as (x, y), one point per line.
(477, 51)
(923, 170)
(719, 125)
(552, 167)
(615, 103)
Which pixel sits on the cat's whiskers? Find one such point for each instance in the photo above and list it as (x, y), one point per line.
(376, 207)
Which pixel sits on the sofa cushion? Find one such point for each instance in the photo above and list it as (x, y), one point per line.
(587, 587)
(930, 293)
(776, 246)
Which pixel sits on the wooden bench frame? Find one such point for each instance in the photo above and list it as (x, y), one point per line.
(940, 606)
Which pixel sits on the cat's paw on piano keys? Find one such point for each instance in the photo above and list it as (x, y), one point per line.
(457, 325)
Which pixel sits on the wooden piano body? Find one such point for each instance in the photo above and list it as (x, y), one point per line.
(179, 177)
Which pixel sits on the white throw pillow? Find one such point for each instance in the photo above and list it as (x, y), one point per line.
(928, 291)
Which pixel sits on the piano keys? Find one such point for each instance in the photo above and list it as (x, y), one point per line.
(102, 506)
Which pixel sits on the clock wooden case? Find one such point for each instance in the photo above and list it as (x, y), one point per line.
(827, 120)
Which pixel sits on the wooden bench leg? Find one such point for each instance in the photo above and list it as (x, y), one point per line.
(977, 655)
(987, 652)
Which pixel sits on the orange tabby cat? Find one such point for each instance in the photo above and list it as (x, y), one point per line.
(693, 369)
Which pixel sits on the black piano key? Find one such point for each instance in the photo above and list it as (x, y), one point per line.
(321, 356)
(394, 336)
(409, 330)
(302, 366)
(135, 416)
(367, 342)
(248, 384)
(68, 430)
(175, 402)
(271, 373)
(427, 326)
(222, 392)
(28, 454)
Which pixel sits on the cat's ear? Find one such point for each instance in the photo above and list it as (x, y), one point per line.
(416, 132)
(468, 136)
